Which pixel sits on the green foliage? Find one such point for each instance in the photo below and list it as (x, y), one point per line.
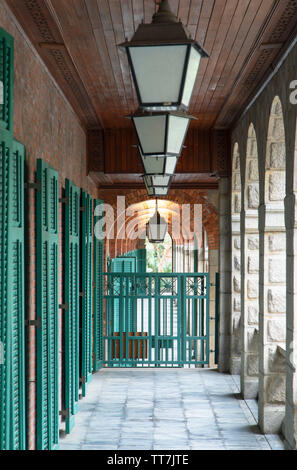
(159, 256)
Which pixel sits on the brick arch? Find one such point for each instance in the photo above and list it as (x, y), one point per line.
(210, 217)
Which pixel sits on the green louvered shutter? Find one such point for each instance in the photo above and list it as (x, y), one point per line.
(47, 307)
(5, 337)
(16, 299)
(12, 347)
(98, 354)
(86, 289)
(6, 80)
(71, 324)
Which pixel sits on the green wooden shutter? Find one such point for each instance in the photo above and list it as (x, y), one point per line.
(12, 357)
(71, 324)
(86, 289)
(98, 353)
(6, 80)
(47, 283)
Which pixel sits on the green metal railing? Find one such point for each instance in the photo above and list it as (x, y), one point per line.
(170, 314)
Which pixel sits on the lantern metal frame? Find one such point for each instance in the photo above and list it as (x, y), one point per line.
(148, 225)
(165, 30)
(164, 159)
(168, 114)
(157, 191)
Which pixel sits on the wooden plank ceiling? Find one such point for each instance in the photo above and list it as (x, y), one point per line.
(78, 40)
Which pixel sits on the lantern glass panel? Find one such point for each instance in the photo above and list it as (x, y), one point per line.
(153, 164)
(160, 180)
(151, 132)
(193, 66)
(161, 191)
(159, 72)
(170, 165)
(177, 130)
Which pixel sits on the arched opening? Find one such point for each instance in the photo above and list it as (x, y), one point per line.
(273, 291)
(159, 256)
(236, 264)
(250, 307)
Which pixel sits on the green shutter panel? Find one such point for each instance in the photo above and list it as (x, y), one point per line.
(47, 307)
(5, 149)
(86, 289)
(6, 80)
(16, 299)
(71, 324)
(12, 347)
(98, 355)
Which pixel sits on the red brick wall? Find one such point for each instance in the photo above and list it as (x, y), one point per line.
(46, 124)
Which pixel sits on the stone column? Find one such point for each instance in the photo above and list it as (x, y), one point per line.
(225, 273)
(213, 269)
(272, 324)
(250, 306)
(290, 427)
(235, 358)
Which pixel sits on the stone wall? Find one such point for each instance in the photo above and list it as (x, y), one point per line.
(273, 116)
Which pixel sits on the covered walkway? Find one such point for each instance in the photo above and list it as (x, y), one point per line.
(166, 409)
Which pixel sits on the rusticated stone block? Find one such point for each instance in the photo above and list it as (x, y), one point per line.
(276, 389)
(278, 155)
(277, 242)
(236, 182)
(253, 196)
(253, 365)
(253, 340)
(253, 263)
(253, 173)
(237, 264)
(252, 148)
(253, 315)
(237, 204)
(236, 285)
(237, 243)
(276, 361)
(277, 300)
(277, 186)
(252, 290)
(276, 331)
(253, 243)
(237, 305)
(277, 270)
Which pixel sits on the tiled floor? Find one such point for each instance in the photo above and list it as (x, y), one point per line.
(163, 409)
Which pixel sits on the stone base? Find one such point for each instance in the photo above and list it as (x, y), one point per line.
(235, 365)
(249, 388)
(271, 418)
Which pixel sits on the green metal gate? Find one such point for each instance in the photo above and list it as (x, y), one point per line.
(170, 325)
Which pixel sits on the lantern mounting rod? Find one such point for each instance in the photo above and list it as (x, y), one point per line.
(164, 14)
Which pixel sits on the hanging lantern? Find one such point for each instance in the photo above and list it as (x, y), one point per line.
(156, 190)
(158, 165)
(156, 228)
(164, 61)
(162, 133)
